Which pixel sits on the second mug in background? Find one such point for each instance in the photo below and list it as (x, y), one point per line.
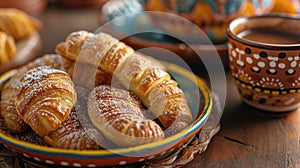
(264, 58)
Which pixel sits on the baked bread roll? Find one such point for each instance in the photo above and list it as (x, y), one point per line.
(77, 132)
(17, 23)
(12, 120)
(119, 115)
(45, 99)
(135, 71)
(7, 48)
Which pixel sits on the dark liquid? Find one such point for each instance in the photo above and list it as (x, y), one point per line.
(271, 36)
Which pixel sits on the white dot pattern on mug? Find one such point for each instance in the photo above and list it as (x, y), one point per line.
(265, 63)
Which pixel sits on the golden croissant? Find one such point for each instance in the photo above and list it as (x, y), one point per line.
(45, 99)
(119, 115)
(17, 23)
(88, 76)
(77, 132)
(135, 71)
(12, 119)
(7, 48)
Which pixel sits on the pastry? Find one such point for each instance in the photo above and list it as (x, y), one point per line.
(12, 120)
(89, 76)
(7, 48)
(119, 115)
(168, 102)
(77, 132)
(17, 23)
(136, 72)
(45, 99)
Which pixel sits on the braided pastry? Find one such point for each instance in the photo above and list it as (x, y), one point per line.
(45, 99)
(135, 71)
(7, 48)
(12, 120)
(17, 23)
(119, 115)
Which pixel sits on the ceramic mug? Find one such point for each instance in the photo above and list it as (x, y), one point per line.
(264, 58)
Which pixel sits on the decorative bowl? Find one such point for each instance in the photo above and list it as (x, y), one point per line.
(266, 68)
(127, 21)
(287, 6)
(200, 101)
(211, 16)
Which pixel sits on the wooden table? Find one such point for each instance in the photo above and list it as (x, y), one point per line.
(248, 138)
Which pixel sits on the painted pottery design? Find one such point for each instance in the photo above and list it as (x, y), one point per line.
(286, 6)
(268, 77)
(212, 16)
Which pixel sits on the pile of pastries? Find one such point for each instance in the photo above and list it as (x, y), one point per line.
(95, 92)
(15, 25)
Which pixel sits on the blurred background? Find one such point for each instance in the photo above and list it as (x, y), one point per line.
(60, 17)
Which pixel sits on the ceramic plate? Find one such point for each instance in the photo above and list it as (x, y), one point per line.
(27, 49)
(200, 102)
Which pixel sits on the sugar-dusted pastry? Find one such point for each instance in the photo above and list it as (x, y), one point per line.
(45, 99)
(135, 71)
(138, 74)
(89, 76)
(77, 132)
(98, 49)
(118, 114)
(168, 102)
(17, 23)
(7, 48)
(12, 120)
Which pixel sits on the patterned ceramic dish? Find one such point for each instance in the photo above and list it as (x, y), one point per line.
(267, 73)
(287, 6)
(211, 16)
(126, 21)
(200, 102)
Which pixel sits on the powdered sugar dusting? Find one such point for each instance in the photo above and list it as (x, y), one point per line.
(35, 75)
(45, 98)
(95, 47)
(117, 113)
(33, 82)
